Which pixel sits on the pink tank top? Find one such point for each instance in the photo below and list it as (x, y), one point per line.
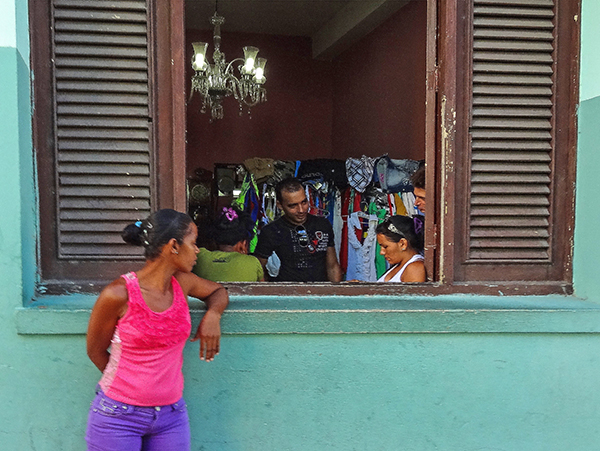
(146, 355)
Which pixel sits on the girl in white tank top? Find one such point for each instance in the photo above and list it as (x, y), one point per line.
(398, 276)
(401, 241)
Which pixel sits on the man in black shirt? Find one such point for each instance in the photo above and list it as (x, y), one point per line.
(303, 242)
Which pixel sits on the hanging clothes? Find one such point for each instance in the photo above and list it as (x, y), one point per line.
(394, 175)
(400, 208)
(359, 172)
(249, 201)
(346, 203)
(381, 265)
(361, 256)
(391, 204)
(269, 204)
(338, 222)
(409, 203)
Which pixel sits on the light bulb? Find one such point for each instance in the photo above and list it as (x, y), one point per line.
(249, 65)
(249, 56)
(199, 61)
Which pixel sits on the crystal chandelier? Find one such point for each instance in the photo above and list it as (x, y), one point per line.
(216, 81)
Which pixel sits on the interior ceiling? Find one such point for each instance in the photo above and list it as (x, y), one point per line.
(333, 25)
(283, 17)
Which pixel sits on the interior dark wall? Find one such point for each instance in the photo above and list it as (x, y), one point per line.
(294, 123)
(370, 100)
(379, 90)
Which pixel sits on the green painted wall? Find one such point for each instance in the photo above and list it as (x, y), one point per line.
(8, 26)
(587, 208)
(448, 373)
(590, 63)
(587, 216)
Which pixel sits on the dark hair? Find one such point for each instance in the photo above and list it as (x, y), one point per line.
(418, 178)
(289, 185)
(233, 226)
(157, 230)
(397, 227)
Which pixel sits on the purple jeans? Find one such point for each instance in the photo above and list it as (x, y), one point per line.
(116, 426)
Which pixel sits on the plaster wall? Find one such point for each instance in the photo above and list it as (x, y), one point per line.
(590, 63)
(586, 257)
(379, 90)
(418, 374)
(8, 28)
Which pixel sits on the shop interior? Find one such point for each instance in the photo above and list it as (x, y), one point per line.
(344, 79)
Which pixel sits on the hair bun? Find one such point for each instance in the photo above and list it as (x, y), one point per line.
(133, 234)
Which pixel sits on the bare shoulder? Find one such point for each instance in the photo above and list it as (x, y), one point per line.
(187, 280)
(111, 304)
(114, 293)
(415, 272)
(196, 286)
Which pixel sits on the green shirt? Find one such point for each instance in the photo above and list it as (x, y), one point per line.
(220, 266)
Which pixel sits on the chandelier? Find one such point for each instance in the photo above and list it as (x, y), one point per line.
(216, 81)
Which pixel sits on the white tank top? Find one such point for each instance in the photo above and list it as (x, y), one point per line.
(398, 276)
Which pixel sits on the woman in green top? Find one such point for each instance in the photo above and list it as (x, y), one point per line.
(232, 232)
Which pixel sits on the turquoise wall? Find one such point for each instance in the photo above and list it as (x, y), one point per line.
(446, 373)
(587, 217)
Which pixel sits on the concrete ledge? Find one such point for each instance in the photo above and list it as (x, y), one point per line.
(67, 315)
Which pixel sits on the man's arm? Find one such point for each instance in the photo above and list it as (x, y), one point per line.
(334, 270)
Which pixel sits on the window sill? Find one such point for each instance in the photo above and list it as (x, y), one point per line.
(377, 314)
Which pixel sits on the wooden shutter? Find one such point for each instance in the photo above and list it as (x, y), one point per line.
(108, 130)
(103, 154)
(517, 171)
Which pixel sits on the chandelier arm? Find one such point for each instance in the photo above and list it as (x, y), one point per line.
(231, 62)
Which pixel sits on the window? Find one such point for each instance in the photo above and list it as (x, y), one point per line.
(499, 139)
(99, 120)
(508, 187)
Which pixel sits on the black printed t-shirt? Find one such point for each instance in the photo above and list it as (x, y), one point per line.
(301, 260)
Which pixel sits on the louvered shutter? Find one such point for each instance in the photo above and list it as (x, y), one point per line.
(108, 130)
(515, 162)
(103, 145)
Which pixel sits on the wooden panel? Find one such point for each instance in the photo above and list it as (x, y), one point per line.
(511, 131)
(103, 126)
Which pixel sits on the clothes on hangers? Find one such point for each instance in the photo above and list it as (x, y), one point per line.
(338, 222)
(381, 212)
(361, 256)
(346, 210)
(409, 203)
(359, 172)
(365, 193)
(399, 203)
(249, 201)
(394, 175)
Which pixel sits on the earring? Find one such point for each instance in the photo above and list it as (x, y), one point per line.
(175, 251)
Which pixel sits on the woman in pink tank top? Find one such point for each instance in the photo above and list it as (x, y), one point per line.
(136, 335)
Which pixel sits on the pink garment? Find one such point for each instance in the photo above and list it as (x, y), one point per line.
(147, 350)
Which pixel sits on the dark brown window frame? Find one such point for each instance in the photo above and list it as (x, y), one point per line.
(445, 226)
(445, 144)
(58, 276)
(558, 273)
